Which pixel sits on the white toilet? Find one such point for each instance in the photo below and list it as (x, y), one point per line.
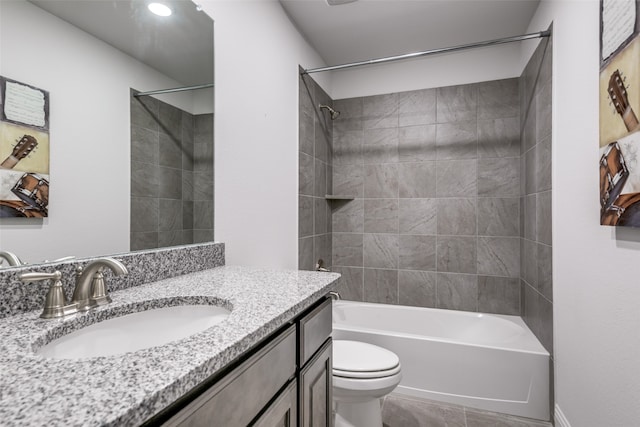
(362, 374)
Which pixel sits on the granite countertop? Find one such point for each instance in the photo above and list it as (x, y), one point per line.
(127, 389)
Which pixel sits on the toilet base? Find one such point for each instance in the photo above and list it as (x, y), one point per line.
(358, 414)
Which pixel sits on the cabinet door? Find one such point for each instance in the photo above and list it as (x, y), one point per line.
(316, 389)
(282, 412)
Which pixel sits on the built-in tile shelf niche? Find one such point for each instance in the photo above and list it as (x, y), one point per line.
(338, 197)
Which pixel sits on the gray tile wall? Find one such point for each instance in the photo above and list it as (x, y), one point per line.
(171, 175)
(315, 176)
(535, 190)
(436, 178)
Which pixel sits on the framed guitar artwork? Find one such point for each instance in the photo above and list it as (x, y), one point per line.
(24, 150)
(619, 160)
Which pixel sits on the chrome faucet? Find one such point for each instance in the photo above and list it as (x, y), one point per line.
(11, 258)
(90, 290)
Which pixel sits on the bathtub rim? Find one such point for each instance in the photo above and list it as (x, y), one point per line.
(540, 350)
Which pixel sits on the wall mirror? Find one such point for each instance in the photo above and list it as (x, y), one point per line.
(127, 172)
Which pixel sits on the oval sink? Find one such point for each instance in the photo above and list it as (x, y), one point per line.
(135, 331)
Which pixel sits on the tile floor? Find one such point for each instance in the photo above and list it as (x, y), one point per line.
(404, 411)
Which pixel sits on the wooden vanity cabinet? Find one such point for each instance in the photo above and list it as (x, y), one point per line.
(284, 382)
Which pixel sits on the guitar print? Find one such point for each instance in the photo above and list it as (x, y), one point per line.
(620, 99)
(23, 148)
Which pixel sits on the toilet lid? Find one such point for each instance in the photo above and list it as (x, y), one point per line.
(362, 360)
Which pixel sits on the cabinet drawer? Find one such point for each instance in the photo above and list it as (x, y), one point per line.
(314, 329)
(237, 398)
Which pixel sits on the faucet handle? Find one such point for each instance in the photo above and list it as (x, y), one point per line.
(55, 303)
(98, 289)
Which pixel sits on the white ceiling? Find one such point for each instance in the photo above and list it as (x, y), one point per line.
(369, 29)
(179, 46)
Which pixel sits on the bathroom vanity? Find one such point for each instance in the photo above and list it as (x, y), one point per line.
(284, 381)
(268, 363)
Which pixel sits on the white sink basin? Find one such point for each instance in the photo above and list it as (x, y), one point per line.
(135, 331)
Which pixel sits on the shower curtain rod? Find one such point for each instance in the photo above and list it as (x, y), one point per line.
(177, 89)
(539, 34)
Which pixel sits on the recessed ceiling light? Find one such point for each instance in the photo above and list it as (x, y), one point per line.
(160, 9)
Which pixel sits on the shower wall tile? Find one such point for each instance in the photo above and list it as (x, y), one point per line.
(188, 186)
(347, 249)
(381, 181)
(417, 107)
(417, 180)
(543, 165)
(351, 117)
(380, 250)
(417, 143)
(498, 99)
(348, 147)
(141, 241)
(203, 156)
(203, 215)
(417, 216)
(145, 112)
(381, 216)
(144, 214)
(499, 216)
(144, 145)
(457, 291)
(170, 183)
(529, 262)
(202, 236)
(530, 217)
(457, 178)
(305, 219)
(202, 185)
(499, 256)
(170, 151)
(306, 169)
(306, 137)
(320, 178)
(380, 111)
(164, 157)
(457, 140)
(170, 238)
(350, 285)
(322, 249)
(380, 286)
(543, 110)
(187, 216)
(144, 179)
(348, 180)
(321, 217)
(457, 103)
(436, 179)
(499, 177)
(457, 217)
(417, 252)
(305, 254)
(543, 217)
(169, 215)
(499, 137)
(380, 146)
(322, 135)
(417, 288)
(499, 295)
(315, 150)
(545, 269)
(456, 254)
(348, 217)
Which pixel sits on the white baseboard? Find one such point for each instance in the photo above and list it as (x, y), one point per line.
(560, 419)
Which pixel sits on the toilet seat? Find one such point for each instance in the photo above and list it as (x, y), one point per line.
(359, 360)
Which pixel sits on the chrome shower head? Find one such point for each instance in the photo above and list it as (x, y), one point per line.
(334, 113)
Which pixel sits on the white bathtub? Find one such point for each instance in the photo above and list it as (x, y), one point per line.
(486, 361)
